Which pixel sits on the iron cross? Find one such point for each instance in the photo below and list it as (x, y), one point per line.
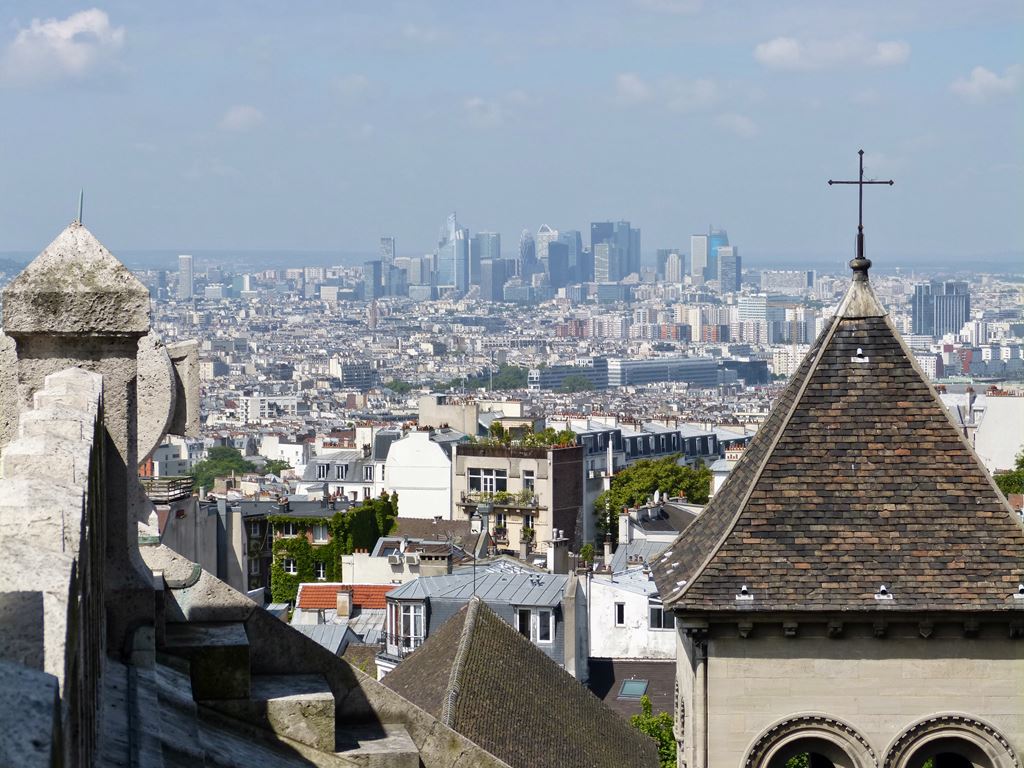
(860, 202)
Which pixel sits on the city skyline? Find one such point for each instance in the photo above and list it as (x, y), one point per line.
(321, 141)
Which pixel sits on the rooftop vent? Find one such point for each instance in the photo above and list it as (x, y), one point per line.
(744, 593)
(1020, 592)
(883, 593)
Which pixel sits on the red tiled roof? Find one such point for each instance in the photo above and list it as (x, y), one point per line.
(325, 596)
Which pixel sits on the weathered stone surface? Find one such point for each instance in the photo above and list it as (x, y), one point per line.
(76, 286)
(28, 699)
(299, 707)
(379, 746)
(185, 358)
(218, 654)
(8, 389)
(157, 391)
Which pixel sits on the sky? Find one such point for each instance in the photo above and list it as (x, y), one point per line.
(324, 125)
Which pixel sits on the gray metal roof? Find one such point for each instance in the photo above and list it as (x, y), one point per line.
(494, 588)
(644, 548)
(330, 636)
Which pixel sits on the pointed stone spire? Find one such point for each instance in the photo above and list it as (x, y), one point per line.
(76, 286)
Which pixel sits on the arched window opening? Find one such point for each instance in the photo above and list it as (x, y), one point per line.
(949, 752)
(810, 753)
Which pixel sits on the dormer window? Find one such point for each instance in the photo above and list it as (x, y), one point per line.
(322, 471)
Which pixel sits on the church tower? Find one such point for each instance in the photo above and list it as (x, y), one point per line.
(853, 595)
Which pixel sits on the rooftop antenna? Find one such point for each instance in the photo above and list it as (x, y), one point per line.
(81, 202)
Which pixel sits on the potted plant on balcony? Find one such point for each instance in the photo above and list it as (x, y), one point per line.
(527, 534)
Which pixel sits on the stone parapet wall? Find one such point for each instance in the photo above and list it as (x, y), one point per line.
(52, 525)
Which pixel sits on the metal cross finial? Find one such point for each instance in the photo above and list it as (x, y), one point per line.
(860, 264)
(81, 200)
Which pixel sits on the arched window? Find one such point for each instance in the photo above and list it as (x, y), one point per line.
(951, 741)
(810, 741)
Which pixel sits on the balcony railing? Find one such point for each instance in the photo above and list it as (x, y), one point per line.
(525, 499)
(166, 489)
(400, 646)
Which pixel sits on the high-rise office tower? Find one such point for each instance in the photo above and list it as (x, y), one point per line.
(483, 245)
(604, 266)
(186, 285)
(717, 238)
(574, 242)
(624, 253)
(674, 267)
(601, 232)
(387, 250)
(662, 256)
(558, 264)
(544, 236)
(729, 269)
(698, 255)
(527, 254)
(634, 251)
(492, 279)
(373, 279)
(938, 307)
(452, 267)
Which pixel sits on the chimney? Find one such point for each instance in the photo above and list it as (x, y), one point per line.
(524, 548)
(607, 550)
(344, 604)
(625, 529)
(558, 552)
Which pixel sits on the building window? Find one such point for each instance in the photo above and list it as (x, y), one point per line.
(500, 520)
(633, 688)
(545, 627)
(487, 480)
(660, 618)
(523, 621)
(340, 471)
(620, 614)
(290, 566)
(322, 471)
(366, 492)
(289, 529)
(527, 521)
(254, 566)
(406, 627)
(529, 478)
(320, 533)
(321, 571)
(368, 473)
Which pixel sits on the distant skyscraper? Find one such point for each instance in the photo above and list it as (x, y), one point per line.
(545, 235)
(527, 254)
(624, 251)
(483, 245)
(492, 279)
(604, 268)
(938, 308)
(558, 264)
(634, 251)
(698, 255)
(601, 232)
(574, 242)
(662, 259)
(185, 281)
(452, 268)
(717, 238)
(729, 269)
(387, 250)
(674, 267)
(373, 279)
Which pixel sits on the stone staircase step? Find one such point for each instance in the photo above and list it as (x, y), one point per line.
(218, 655)
(300, 707)
(378, 746)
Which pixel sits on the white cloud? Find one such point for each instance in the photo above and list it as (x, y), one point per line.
(240, 118)
(631, 89)
(351, 87)
(682, 95)
(983, 84)
(416, 33)
(739, 125)
(788, 53)
(53, 49)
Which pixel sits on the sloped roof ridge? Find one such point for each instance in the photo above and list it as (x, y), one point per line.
(448, 708)
(827, 337)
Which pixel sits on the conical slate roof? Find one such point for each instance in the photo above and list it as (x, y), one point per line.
(857, 479)
(480, 677)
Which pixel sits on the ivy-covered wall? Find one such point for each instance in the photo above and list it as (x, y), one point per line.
(357, 528)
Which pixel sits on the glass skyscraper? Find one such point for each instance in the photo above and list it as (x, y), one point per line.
(452, 258)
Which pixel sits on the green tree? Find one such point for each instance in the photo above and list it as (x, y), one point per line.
(576, 383)
(1012, 481)
(399, 387)
(799, 761)
(659, 728)
(220, 462)
(637, 483)
(587, 553)
(275, 466)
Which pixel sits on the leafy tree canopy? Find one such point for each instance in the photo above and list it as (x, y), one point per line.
(659, 728)
(549, 436)
(637, 483)
(1012, 481)
(220, 461)
(276, 466)
(576, 383)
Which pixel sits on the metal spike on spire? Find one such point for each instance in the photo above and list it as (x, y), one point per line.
(81, 203)
(860, 264)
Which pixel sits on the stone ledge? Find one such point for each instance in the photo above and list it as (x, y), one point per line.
(29, 701)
